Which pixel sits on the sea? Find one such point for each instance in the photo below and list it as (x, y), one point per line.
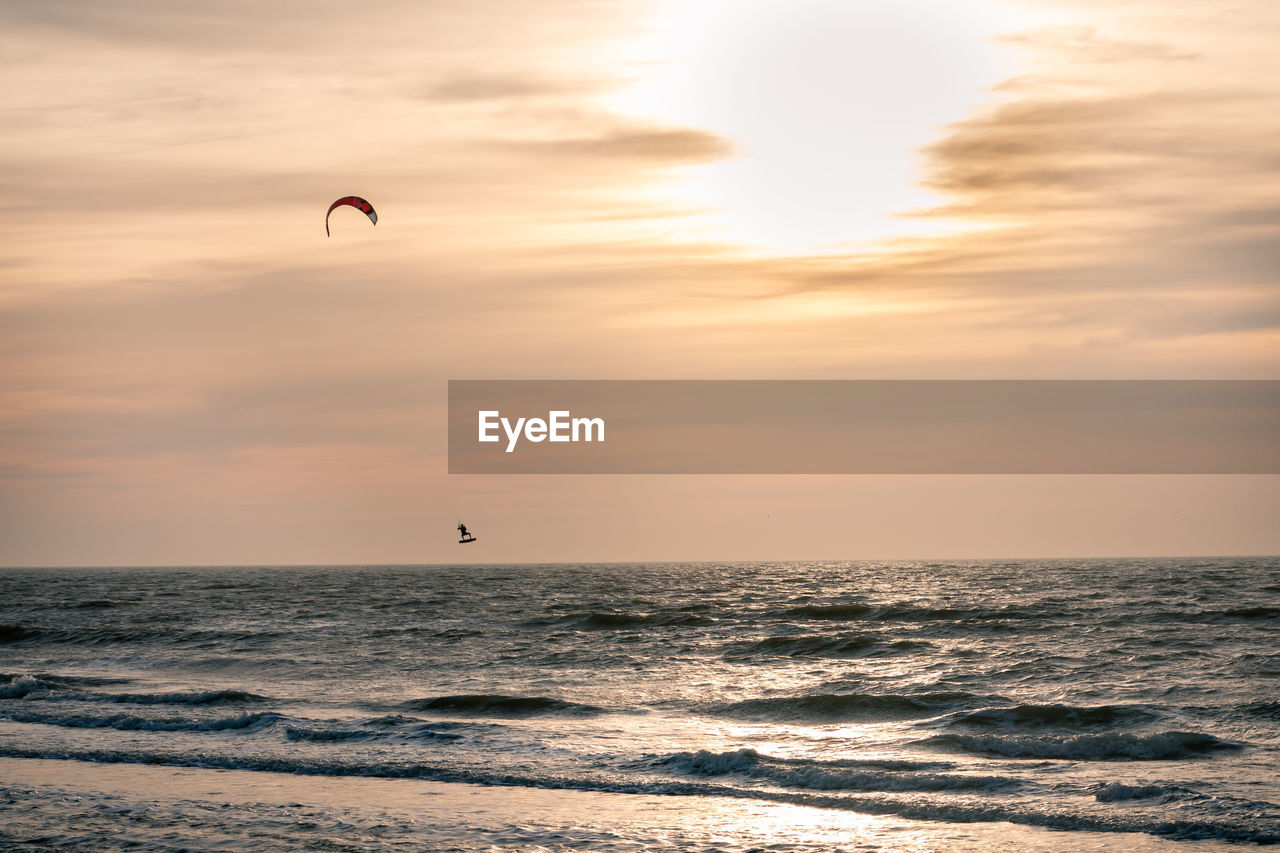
(1127, 704)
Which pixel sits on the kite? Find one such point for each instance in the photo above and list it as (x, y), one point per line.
(356, 202)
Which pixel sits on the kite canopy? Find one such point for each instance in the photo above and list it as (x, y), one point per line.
(356, 202)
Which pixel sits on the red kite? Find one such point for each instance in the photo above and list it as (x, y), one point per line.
(356, 202)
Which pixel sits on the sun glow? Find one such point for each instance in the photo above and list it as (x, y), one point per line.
(825, 102)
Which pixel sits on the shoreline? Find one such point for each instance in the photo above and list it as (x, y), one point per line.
(53, 802)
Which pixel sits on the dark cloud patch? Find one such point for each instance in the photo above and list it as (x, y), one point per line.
(323, 34)
(639, 144)
(155, 21)
(1146, 144)
(499, 87)
(234, 26)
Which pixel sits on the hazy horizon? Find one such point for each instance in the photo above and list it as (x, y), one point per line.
(1023, 558)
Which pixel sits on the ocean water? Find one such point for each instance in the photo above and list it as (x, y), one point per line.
(1100, 704)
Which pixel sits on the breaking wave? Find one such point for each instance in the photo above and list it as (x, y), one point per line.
(1118, 792)
(1164, 746)
(1063, 716)
(831, 707)
(907, 612)
(913, 807)
(42, 689)
(819, 645)
(130, 722)
(829, 611)
(14, 634)
(854, 775)
(331, 735)
(619, 620)
(498, 705)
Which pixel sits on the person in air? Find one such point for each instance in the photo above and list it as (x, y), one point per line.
(462, 531)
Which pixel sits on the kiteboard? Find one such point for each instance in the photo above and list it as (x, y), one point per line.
(465, 541)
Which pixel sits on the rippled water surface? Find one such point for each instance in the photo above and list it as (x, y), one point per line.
(1130, 701)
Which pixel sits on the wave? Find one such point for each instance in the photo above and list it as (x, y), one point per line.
(612, 620)
(820, 645)
(129, 722)
(1118, 792)
(1063, 716)
(1265, 710)
(427, 631)
(14, 634)
(327, 735)
(19, 687)
(97, 604)
(198, 697)
(865, 775)
(1252, 612)
(390, 721)
(1212, 616)
(829, 611)
(32, 688)
(498, 705)
(915, 613)
(1163, 746)
(747, 755)
(830, 707)
(69, 680)
(393, 727)
(1250, 830)
(904, 612)
(19, 633)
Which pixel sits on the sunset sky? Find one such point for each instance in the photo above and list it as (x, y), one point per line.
(195, 374)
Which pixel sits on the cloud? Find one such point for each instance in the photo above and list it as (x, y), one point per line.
(1088, 44)
(231, 25)
(465, 88)
(1099, 150)
(644, 144)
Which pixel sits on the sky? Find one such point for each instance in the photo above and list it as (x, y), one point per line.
(713, 189)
